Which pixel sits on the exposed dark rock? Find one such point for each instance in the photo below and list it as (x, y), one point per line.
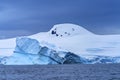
(57, 35)
(65, 32)
(73, 29)
(53, 32)
(68, 33)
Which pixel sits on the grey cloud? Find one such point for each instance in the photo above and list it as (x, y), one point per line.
(38, 15)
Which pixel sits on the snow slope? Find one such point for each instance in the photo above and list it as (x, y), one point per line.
(73, 38)
(7, 46)
(80, 41)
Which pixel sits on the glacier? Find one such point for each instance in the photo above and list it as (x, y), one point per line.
(63, 44)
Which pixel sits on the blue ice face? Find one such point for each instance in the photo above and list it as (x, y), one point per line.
(27, 45)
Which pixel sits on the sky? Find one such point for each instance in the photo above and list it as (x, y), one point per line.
(26, 17)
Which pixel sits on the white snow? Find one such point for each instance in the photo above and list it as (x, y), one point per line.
(74, 38)
(7, 47)
(64, 30)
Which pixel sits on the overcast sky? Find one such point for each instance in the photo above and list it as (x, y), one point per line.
(25, 17)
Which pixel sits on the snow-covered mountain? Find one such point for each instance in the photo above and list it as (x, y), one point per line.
(64, 43)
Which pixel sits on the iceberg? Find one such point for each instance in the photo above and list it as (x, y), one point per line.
(28, 51)
(63, 44)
